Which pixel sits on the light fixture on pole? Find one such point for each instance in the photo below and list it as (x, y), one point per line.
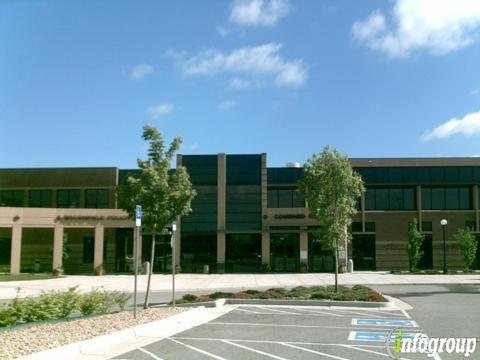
(172, 242)
(444, 223)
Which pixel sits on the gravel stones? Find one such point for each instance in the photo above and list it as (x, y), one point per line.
(19, 342)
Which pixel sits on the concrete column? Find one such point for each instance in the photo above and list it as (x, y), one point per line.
(57, 247)
(304, 245)
(265, 247)
(221, 210)
(16, 251)
(98, 254)
(419, 206)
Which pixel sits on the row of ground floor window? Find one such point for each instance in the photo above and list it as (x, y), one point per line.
(243, 251)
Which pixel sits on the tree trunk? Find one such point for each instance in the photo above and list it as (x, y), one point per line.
(336, 265)
(152, 259)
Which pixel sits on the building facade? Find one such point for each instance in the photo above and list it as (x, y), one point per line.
(247, 217)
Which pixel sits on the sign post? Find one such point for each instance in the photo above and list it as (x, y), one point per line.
(172, 243)
(138, 224)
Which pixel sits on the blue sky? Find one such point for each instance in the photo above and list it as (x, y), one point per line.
(78, 79)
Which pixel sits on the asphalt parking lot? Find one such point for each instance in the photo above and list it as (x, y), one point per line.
(281, 332)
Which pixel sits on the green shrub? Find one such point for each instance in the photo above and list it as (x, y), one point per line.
(96, 302)
(9, 316)
(189, 297)
(121, 299)
(252, 292)
(220, 295)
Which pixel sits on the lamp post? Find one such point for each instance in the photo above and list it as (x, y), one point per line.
(172, 242)
(444, 223)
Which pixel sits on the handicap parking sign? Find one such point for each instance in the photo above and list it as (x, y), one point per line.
(397, 323)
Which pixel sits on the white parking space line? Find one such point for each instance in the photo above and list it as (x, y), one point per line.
(319, 312)
(250, 311)
(254, 350)
(360, 313)
(406, 314)
(152, 355)
(279, 311)
(313, 351)
(276, 342)
(198, 350)
(369, 351)
(299, 326)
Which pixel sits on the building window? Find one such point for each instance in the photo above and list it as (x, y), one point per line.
(40, 198)
(68, 198)
(390, 199)
(285, 198)
(96, 198)
(13, 198)
(450, 198)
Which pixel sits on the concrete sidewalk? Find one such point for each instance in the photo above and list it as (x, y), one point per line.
(201, 282)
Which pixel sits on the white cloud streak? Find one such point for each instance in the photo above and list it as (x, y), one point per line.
(259, 12)
(436, 26)
(469, 125)
(264, 61)
(157, 111)
(140, 71)
(226, 105)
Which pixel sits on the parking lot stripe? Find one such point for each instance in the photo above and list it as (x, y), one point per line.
(296, 326)
(150, 353)
(366, 350)
(318, 312)
(249, 311)
(360, 313)
(313, 351)
(198, 350)
(280, 311)
(406, 314)
(254, 350)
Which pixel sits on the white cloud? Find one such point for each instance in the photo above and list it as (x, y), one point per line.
(469, 125)
(263, 61)
(237, 83)
(140, 71)
(189, 147)
(475, 92)
(157, 111)
(226, 105)
(437, 26)
(222, 31)
(259, 12)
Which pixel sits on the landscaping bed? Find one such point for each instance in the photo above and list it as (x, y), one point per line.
(18, 342)
(355, 293)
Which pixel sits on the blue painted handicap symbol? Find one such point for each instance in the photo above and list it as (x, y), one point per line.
(385, 322)
(376, 336)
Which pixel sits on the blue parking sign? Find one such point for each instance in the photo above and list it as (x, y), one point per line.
(398, 323)
(138, 212)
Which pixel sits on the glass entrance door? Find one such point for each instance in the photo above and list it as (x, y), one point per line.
(363, 251)
(284, 251)
(426, 261)
(320, 259)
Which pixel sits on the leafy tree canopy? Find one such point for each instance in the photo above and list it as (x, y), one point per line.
(163, 193)
(331, 188)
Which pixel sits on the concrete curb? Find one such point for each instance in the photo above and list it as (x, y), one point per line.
(328, 303)
(114, 344)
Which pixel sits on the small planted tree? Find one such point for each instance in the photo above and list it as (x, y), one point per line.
(331, 189)
(163, 193)
(415, 240)
(468, 246)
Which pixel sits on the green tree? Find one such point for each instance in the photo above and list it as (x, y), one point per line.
(415, 240)
(163, 193)
(332, 188)
(468, 245)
